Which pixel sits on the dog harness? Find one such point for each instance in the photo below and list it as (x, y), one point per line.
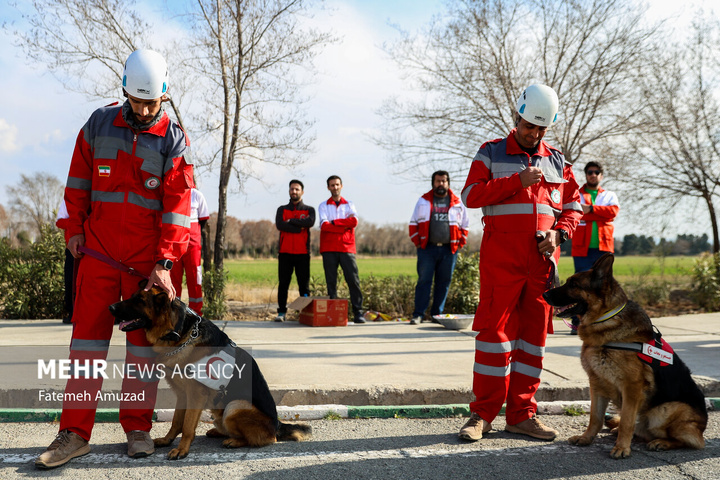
(658, 353)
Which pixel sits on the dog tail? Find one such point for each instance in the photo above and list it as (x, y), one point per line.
(294, 432)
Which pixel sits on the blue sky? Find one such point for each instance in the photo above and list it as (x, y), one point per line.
(39, 120)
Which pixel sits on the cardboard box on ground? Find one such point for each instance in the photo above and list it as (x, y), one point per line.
(321, 311)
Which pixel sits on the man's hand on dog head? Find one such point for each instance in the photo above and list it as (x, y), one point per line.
(549, 243)
(161, 277)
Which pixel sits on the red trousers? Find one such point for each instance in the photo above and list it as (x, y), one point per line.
(191, 264)
(98, 286)
(512, 321)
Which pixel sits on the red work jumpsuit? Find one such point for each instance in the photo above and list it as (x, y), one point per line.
(191, 262)
(129, 193)
(512, 319)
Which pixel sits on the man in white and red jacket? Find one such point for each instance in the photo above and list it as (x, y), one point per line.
(594, 236)
(338, 219)
(438, 228)
(191, 262)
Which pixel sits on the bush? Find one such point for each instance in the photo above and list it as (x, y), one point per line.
(464, 294)
(396, 295)
(31, 277)
(706, 281)
(213, 284)
(392, 295)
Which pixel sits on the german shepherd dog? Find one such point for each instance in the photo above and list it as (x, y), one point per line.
(244, 411)
(657, 397)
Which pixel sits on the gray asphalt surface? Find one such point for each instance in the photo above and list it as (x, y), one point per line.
(373, 449)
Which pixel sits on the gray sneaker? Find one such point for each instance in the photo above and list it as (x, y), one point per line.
(474, 428)
(139, 444)
(66, 446)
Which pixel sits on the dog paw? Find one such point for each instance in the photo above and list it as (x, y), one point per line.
(162, 442)
(234, 443)
(580, 440)
(658, 444)
(620, 452)
(215, 433)
(177, 454)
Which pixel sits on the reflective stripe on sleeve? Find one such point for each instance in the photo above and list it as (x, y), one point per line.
(178, 219)
(79, 183)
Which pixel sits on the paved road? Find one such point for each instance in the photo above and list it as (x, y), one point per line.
(374, 449)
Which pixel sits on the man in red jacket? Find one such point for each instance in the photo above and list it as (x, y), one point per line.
(595, 234)
(438, 228)
(338, 219)
(531, 205)
(294, 221)
(128, 198)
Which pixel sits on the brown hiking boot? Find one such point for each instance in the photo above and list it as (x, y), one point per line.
(139, 444)
(534, 428)
(66, 446)
(474, 428)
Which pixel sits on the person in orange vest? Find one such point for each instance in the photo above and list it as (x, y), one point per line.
(128, 200)
(530, 204)
(594, 236)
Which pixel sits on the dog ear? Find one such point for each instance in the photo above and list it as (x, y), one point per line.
(602, 270)
(142, 283)
(161, 300)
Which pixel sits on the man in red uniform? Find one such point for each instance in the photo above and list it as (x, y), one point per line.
(530, 204)
(294, 221)
(128, 198)
(191, 262)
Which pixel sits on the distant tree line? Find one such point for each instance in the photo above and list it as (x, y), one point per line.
(684, 244)
(259, 238)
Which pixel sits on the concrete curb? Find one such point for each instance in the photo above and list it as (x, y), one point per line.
(317, 412)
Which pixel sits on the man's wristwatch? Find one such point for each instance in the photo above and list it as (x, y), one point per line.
(165, 263)
(563, 235)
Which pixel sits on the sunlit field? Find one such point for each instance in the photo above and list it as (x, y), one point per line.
(263, 272)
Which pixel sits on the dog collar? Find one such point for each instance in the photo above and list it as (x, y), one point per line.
(610, 314)
(193, 335)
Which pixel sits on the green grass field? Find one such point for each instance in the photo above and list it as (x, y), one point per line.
(263, 272)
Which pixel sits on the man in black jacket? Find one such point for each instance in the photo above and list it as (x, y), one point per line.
(294, 221)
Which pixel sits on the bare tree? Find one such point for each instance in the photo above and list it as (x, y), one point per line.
(245, 59)
(36, 198)
(467, 68)
(254, 53)
(675, 162)
(84, 43)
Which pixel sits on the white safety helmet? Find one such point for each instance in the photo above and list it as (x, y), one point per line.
(145, 75)
(538, 105)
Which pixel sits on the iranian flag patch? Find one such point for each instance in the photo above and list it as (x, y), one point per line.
(104, 170)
